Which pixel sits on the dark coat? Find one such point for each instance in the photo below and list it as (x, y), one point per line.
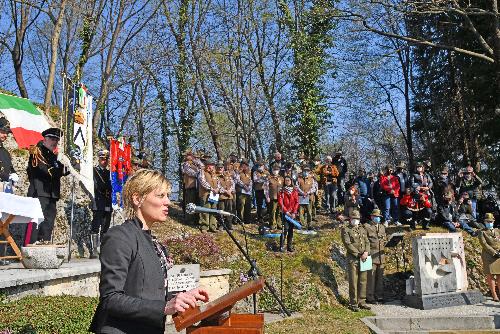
(102, 189)
(44, 173)
(341, 165)
(132, 287)
(6, 167)
(418, 180)
(447, 212)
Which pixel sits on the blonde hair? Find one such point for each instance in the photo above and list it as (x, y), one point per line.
(141, 183)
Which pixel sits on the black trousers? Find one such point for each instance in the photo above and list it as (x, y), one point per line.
(44, 230)
(101, 219)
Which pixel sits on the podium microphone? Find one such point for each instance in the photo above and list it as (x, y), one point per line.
(193, 208)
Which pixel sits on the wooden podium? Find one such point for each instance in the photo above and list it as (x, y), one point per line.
(215, 317)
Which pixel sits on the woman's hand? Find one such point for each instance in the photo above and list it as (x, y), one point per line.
(184, 300)
(199, 294)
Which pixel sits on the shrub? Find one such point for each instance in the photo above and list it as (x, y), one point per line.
(194, 248)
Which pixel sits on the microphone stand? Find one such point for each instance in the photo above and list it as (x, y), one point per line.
(254, 270)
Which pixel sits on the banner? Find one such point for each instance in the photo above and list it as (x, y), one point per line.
(78, 132)
(121, 166)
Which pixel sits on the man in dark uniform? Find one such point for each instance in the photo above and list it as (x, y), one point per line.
(101, 206)
(44, 174)
(7, 172)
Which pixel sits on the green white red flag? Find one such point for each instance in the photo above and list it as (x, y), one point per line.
(26, 121)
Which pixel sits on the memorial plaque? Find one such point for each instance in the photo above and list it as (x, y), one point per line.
(183, 277)
(440, 273)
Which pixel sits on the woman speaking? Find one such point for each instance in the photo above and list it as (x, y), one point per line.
(133, 286)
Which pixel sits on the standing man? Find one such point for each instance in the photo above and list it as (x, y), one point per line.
(101, 206)
(7, 171)
(471, 184)
(260, 177)
(275, 182)
(329, 174)
(244, 181)
(341, 165)
(226, 193)
(278, 160)
(209, 190)
(357, 245)
(190, 168)
(377, 237)
(306, 188)
(44, 174)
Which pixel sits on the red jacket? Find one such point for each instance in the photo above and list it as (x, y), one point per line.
(288, 202)
(410, 202)
(390, 182)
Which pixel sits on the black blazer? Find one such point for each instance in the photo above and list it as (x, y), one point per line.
(132, 287)
(102, 189)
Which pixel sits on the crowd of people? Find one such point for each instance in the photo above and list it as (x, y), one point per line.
(403, 197)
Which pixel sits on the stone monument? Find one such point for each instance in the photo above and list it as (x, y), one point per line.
(440, 276)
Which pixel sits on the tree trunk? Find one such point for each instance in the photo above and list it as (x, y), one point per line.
(54, 42)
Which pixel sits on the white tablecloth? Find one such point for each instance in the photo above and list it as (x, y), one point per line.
(26, 209)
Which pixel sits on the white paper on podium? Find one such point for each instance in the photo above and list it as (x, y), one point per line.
(25, 209)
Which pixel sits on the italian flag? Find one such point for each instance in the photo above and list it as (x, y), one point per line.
(26, 121)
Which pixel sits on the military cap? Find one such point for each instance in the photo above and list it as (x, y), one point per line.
(209, 162)
(338, 152)
(419, 164)
(488, 217)
(233, 155)
(244, 162)
(305, 168)
(220, 164)
(376, 212)
(401, 164)
(4, 125)
(354, 214)
(52, 132)
(103, 154)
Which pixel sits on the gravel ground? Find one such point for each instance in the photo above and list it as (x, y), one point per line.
(396, 309)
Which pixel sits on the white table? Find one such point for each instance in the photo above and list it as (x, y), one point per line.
(17, 210)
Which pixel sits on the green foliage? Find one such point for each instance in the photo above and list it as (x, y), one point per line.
(310, 40)
(61, 314)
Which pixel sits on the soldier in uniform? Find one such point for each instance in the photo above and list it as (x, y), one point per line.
(44, 174)
(471, 184)
(275, 182)
(101, 205)
(190, 168)
(7, 171)
(489, 238)
(226, 193)
(357, 245)
(377, 237)
(260, 177)
(209, 189)
(244, 181)
(306, 187)
(278, 160)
